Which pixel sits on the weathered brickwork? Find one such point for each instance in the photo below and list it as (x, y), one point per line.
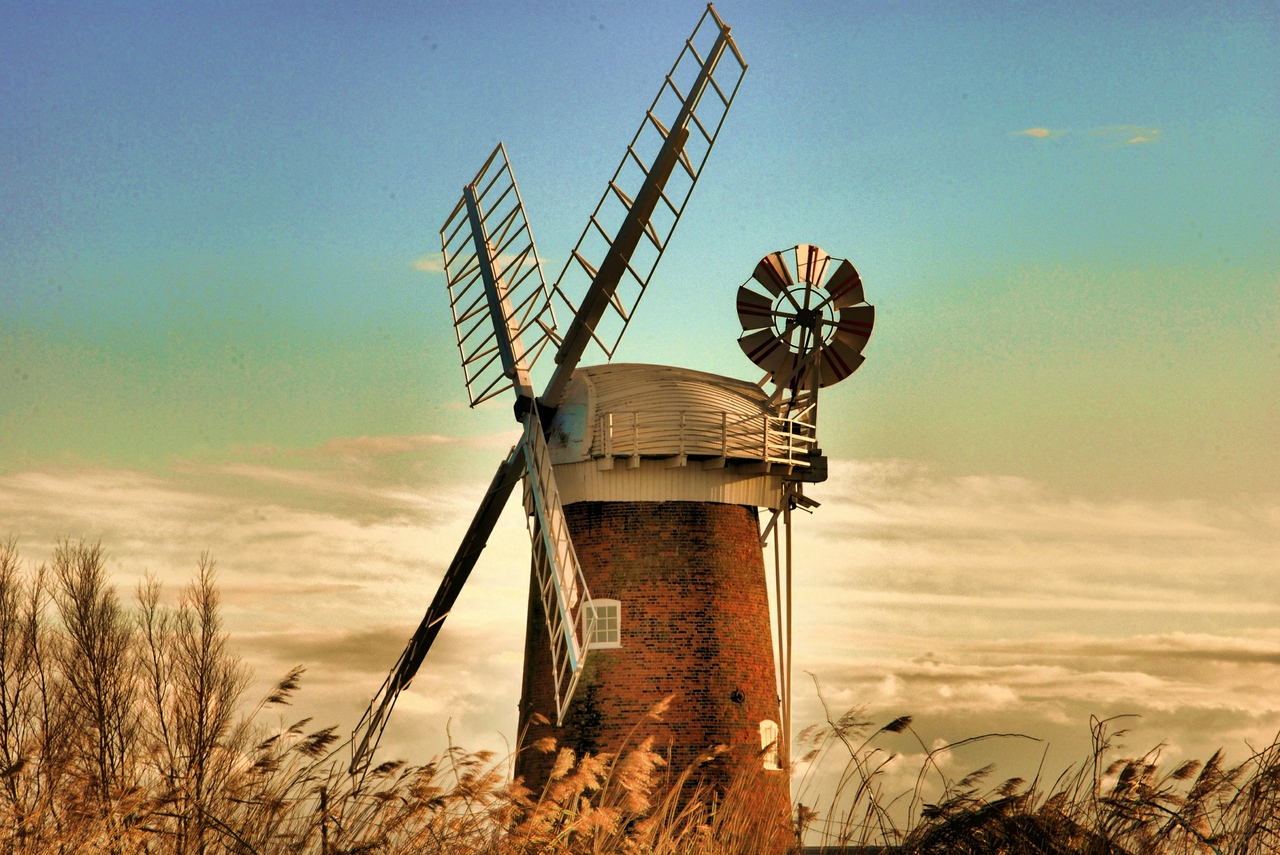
(690, 578)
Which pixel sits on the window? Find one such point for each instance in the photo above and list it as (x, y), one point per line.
(607, 631)
(769, 744)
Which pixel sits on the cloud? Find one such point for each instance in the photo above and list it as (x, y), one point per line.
(432, 262)
(937, 676)
(381, 446)
(993, 603)
(378, 446)
(1040, 133)
(329, 564)
(1118, 135)
(980, 603)
(1115, 135)
(1053, 604)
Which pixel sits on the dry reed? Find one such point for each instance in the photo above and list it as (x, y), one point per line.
(122, 731)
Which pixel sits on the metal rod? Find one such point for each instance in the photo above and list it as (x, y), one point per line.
(782, 662)
(786, 520)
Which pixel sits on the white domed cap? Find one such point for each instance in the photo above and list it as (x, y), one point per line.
(628, 408)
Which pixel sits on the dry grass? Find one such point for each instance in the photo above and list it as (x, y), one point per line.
(1109, 804)
(122, 730)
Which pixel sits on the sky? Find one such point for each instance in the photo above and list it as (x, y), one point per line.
(1054, 483)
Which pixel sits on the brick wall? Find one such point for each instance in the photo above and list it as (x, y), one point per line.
(690, 578)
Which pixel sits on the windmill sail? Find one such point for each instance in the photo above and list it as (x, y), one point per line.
(369, 730)
(561, 586)
(682, 123)
(498, 294)
(502, 313)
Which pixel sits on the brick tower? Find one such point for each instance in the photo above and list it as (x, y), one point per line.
(661, 472)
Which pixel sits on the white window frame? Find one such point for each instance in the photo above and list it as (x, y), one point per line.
(769, 736)
(601, 604)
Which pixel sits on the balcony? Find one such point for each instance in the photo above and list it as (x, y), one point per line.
(715, 438)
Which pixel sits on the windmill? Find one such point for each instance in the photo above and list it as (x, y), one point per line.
(642, 483)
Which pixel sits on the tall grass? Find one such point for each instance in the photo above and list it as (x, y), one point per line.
(1108, 804)
(123, 729)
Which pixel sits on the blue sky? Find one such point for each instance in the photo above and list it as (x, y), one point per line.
(213, 219)
(216, 209)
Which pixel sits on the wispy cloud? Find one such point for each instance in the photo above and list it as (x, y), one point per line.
(976, 603)
(1114, 135)
(327, 565)
(1040, 133)
(893, 538)
(432, 262)
(1118, 135)
(996, 603)
(381, 446)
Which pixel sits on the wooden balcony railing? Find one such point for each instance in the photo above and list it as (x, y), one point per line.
(727, 436)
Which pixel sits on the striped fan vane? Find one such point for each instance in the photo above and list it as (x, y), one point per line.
(803, 311)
